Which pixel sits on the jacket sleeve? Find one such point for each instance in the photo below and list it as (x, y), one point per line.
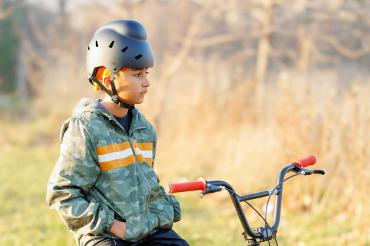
(73, 176)
(171, 199)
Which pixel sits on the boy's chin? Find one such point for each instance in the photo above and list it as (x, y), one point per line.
(140, 101)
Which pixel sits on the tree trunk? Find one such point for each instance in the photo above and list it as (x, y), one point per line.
(21, 74)
(262, 59)
(263, 54)
(305, 47)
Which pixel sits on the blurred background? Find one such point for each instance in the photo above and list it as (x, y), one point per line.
(239, 89)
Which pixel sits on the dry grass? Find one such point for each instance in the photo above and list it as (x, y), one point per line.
(218, 128)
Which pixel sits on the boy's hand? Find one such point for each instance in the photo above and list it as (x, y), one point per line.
(119, 229)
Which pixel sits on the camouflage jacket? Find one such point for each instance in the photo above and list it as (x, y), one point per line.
(104, 173)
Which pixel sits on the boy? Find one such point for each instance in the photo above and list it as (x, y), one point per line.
(103, 184)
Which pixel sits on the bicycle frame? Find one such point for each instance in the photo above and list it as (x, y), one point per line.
(253, 236)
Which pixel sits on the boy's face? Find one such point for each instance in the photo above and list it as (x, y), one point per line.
(132, 84)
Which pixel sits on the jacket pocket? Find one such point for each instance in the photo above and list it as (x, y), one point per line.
(176, 208)
(140, 225)
(164, 211)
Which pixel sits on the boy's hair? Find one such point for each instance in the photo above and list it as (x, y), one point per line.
(101, 73)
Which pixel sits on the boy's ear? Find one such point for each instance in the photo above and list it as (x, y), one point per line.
(107, 81)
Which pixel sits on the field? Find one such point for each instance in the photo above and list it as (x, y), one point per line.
(238, 91)
(245, 139)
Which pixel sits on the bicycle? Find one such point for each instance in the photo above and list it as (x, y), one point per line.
(253, 236)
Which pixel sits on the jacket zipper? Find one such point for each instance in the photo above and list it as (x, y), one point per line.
(135, 157)
(138, 168)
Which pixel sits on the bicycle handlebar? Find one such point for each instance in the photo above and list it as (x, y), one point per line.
(262, 234)
(201, 184)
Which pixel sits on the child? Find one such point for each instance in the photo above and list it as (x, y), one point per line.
(103, 184)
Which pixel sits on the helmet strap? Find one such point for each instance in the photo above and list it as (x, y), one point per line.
(113, 95)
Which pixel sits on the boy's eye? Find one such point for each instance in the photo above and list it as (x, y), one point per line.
(140, 74)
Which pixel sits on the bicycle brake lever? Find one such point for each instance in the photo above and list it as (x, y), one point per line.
(211, 189)
(322, 172)
(304, 171)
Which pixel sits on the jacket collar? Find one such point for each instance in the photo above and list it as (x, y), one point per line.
(93, 105)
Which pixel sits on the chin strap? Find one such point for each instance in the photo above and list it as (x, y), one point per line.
(113, 95)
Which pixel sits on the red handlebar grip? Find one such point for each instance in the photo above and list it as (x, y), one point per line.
(188, 186)
(307, 161)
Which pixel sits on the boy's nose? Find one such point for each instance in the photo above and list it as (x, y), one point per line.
(146, 83)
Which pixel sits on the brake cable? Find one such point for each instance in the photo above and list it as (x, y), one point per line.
(259, 214)
(268, 200)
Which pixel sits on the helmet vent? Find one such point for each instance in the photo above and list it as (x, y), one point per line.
(111, 44)
(138, 57)
(124, 49)
(96, 43)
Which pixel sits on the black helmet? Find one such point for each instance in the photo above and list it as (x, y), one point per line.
(117, 44)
